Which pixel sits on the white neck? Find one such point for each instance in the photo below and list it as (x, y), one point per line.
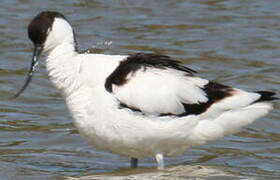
(60, 49)
(60, 39)
(63, 49)
(63, 66)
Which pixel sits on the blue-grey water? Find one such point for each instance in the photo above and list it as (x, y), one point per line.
(232, 42)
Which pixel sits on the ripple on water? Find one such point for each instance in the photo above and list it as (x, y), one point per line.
(176, 172)
(232, 42)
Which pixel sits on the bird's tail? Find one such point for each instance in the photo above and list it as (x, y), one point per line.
(266, 96)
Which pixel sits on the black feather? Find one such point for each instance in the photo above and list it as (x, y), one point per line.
(141, 60)
(266, 96)
(41, 25)
(215, 92)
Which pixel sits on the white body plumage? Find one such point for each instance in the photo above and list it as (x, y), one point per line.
(139, 129)
(81, 79)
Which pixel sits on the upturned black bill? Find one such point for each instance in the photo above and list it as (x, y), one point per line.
(36, 53)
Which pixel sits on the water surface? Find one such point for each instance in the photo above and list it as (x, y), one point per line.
(233, 42)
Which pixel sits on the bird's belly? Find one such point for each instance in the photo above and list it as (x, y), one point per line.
(136, 136)
(128, 133)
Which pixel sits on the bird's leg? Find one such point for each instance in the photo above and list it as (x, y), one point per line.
(133, 162)
(160, 161)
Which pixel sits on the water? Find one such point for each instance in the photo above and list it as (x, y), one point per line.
(234, 42)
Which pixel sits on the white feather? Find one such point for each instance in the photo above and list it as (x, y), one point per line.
(159, 91)
(60, 34)
(238, 99)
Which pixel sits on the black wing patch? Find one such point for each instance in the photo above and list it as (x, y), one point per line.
(214, 91)
(136, 61)
(266, 96)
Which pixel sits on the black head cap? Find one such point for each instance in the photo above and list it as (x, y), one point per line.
(38, 30)
(40, 26)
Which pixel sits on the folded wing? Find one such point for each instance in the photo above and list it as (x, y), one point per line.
(158, 85)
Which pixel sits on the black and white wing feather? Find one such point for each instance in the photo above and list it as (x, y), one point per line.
(159, 85)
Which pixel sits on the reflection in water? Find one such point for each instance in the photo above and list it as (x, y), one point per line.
(233, 42)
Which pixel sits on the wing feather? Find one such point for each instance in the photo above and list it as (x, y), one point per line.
(158, 85)
(157, 91)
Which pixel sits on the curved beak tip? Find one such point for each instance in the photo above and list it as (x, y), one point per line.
(36, 53)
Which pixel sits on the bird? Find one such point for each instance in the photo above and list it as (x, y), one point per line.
(141, 105)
